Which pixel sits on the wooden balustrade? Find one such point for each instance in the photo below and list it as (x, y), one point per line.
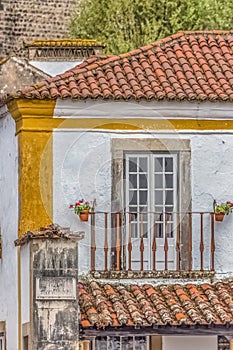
(152, 241)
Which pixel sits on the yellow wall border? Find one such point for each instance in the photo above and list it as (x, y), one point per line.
(35, 160)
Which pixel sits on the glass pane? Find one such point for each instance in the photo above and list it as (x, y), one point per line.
(114, 343)
(158, 180)
(145, 230)
(134, 214)
(159, 230)
(143, 165)
(158, 165)
(140, 343)
(158, 209)
(134, 230)
(169, 197)
(168, 164)
(143, 209)
(132, 197)
(169, 181)
(101, 343)
(127, 343)
(142, 197)
(142, 181)
(133, 164)
(169, 208)
(132, 180)
(169, 230)
(158, 197)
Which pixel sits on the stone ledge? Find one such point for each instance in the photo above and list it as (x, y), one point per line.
(153, 274)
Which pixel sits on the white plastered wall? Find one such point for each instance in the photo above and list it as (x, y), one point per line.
(189, 343)
(82, 169)
(9, 228)
(25, 283)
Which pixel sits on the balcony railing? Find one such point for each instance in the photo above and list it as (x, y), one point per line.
(152, 241)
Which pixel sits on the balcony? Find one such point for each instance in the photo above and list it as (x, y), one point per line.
(152, 244)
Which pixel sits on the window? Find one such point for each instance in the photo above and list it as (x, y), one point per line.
(151, 197)
(223, 343)
(152, 176)
(121, 343)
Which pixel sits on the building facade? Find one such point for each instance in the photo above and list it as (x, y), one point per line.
(147, 136)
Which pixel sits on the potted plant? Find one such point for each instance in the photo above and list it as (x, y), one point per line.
(220, 210)
(82, 208)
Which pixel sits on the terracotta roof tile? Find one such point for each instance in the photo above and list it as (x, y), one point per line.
(52, 231)
(185, 66)
(145, 305)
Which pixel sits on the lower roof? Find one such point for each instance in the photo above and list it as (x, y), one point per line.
(119, 305)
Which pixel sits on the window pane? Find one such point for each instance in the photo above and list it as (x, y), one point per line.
(158, 180)
(140, 343)
(158, 165)
(134, 213)
(158, 197)
(134, 230)
(127, 343)
(142, 181)
(101, 343)
(169, 181)
(168, 164)
(169, 197)
(169, 208)
(159, 230)
(133, 164)
(158, 209)
(142, 197)
(114, 343)
(132, 180)
(143, 165)
(132, 197)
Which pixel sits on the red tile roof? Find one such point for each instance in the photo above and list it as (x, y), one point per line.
(185, 66)
(107, 304)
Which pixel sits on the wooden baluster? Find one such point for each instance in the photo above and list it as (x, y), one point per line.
(154, 247)
(106, 241)
(212, 243)
(190, 245)
(118, 245)
(165, 242)
(141, 243)
(130, 245)
(178, 242)
(201, 242)
(93, 244)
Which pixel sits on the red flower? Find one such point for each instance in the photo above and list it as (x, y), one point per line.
(77, 204)
(71, 206)
(87, 203)
(230, 203)
(81, 200)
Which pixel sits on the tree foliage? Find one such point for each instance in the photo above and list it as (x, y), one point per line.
(124, 25)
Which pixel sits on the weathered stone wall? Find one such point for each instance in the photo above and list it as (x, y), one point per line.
(25, 20)
(55, 307)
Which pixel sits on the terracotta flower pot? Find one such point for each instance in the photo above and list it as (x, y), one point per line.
(219, 217)
(83, 216)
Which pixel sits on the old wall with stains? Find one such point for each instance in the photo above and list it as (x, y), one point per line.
(8, 227)
(55, 308)
(24, 20)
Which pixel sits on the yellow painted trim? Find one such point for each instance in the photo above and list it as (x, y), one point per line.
(19, 301)
(35, 160)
